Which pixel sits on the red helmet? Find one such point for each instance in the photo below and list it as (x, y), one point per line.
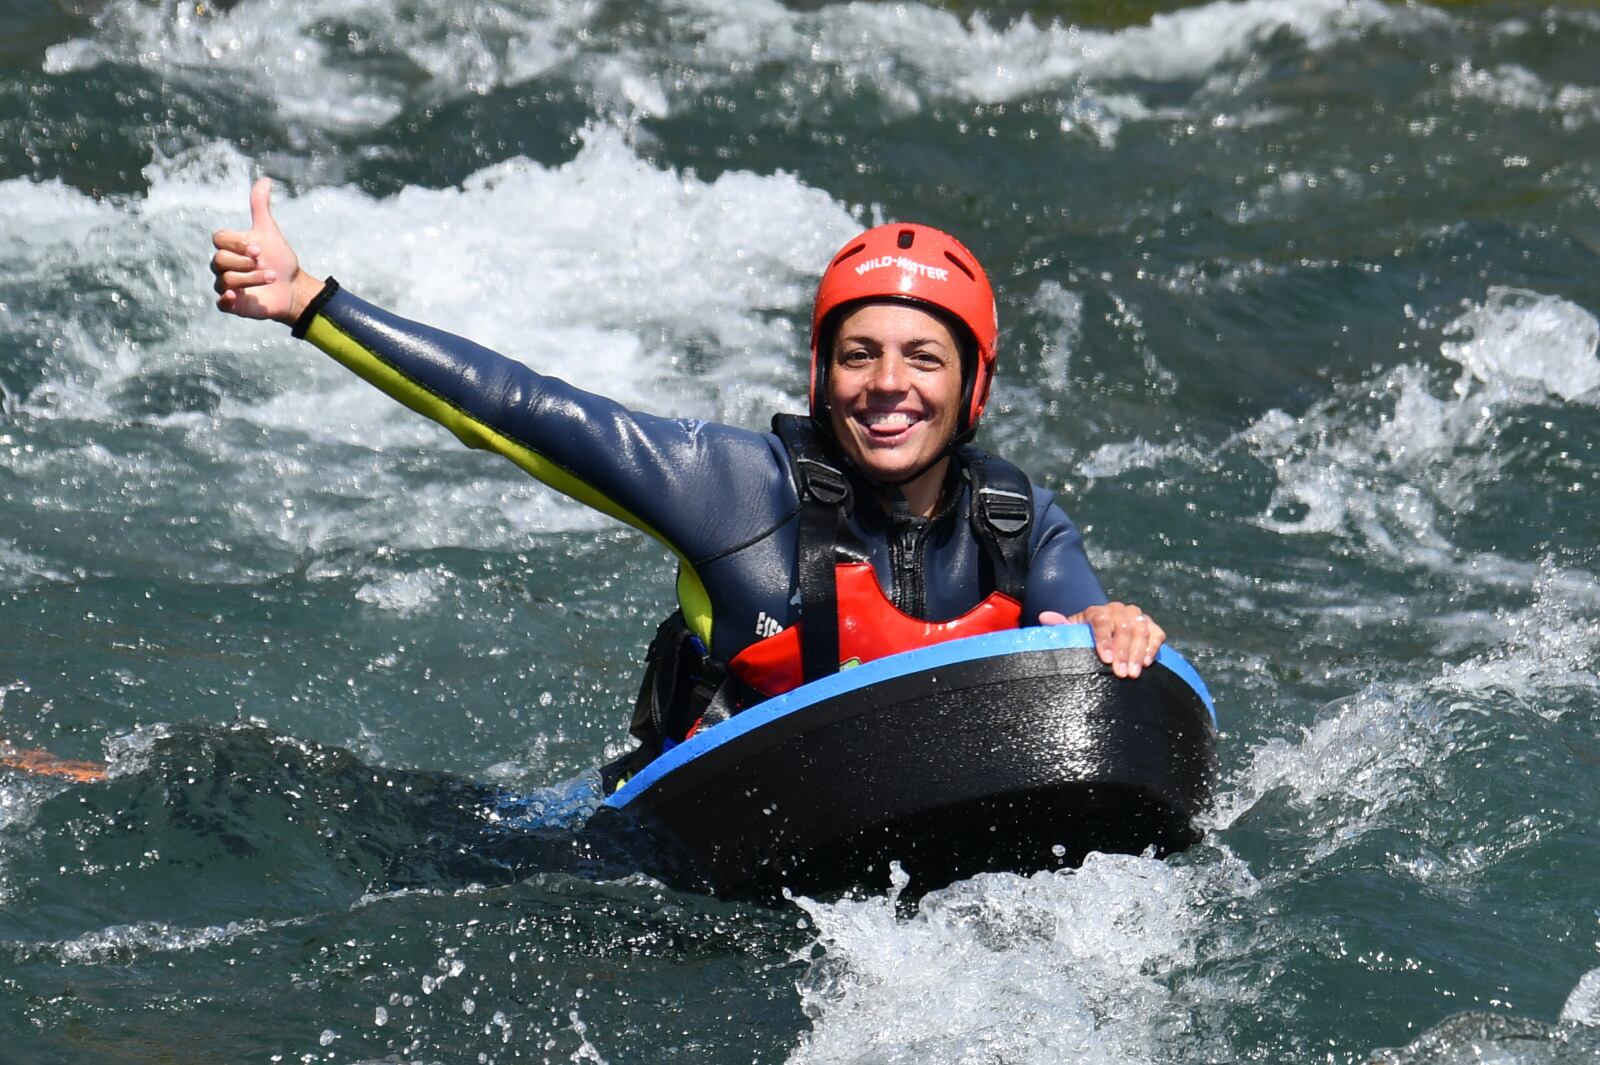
(918, 264)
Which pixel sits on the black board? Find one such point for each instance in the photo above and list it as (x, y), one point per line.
(1015, 751)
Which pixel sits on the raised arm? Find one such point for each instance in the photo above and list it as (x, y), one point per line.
(700, 488)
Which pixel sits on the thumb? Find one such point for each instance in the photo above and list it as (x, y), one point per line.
(261, 219)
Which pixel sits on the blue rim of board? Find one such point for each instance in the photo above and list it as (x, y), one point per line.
(991, 645)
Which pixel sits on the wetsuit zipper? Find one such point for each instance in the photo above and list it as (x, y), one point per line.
(907, 590)
(907, 538)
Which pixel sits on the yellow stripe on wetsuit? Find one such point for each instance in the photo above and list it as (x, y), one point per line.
(345, 349)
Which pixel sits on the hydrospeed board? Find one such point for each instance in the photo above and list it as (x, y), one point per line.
(1016, 751)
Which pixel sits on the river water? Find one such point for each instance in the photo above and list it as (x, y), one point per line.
(1298, 305)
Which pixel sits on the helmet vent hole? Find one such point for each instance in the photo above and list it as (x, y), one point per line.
(906, 237)
(963, 267)
(854, 249)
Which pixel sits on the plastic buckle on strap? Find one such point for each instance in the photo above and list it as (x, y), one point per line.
(1007, 513)
(824, 483)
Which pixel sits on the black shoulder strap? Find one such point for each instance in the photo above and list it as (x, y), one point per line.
(1002, 518)
(824, 493)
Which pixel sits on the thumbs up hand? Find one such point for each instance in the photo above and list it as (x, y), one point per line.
(257, 273)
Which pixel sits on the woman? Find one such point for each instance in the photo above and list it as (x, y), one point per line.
(867, 528)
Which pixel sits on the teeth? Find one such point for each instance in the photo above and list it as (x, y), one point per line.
(889, 420)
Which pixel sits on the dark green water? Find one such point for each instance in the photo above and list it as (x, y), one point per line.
(1298, 307)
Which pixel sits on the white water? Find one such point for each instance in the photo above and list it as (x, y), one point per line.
(1104, 964)
(1383, 461)
(1088, 965)
(909, 54)
(615, 269)
(1376, 758)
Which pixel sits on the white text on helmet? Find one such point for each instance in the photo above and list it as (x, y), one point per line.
(910, 266)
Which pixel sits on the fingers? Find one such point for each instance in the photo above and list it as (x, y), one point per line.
(1125, 638)
(1053, 617)
(233, 270)
(1138, 641)
(231, 280)
(235, 254)
(240, 243)
(261, 218)
(231, 260)
(236, 265)
(1103, 623)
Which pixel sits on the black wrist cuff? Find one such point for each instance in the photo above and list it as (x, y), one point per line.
(303, 323)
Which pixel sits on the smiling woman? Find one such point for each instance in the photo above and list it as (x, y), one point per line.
(801, 551)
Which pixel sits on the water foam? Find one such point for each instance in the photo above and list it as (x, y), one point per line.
(120, 944)
(1063, 308)
(404, 594)
(1517, 87)
(1524, 345)
(1583, 1005)
(908, 50)
(671, 302)
(1368, 756)
(21, 569)
(1380, 460)
(1115, 459)
(132, 751)
(1364, 755)
(280, 52)
(1070, 966)
(1187, 44)
(1375, 471)
(21, 795)
(21, 798)
(1548, 646)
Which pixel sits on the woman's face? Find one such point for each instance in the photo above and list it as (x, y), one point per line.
(894, 388)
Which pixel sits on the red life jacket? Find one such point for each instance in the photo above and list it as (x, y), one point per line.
(846, 617)
(870, 627)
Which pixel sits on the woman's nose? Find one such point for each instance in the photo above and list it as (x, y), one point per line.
(888, 373)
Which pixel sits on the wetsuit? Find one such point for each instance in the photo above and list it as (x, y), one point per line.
(721, 498)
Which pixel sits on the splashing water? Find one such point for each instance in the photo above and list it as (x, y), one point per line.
(1298, 321)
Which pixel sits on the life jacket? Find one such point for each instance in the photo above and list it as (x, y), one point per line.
(845, 616)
